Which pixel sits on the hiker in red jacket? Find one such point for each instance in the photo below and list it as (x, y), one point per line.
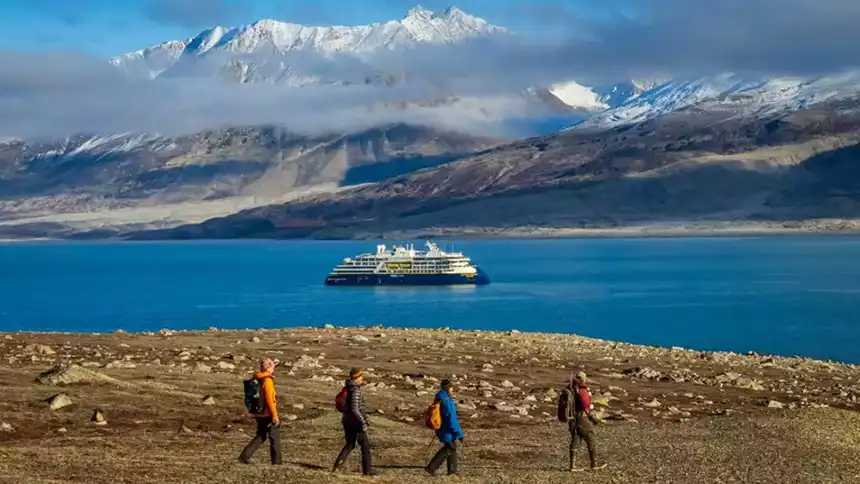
(583, 421)
(267, 421)
(355, 424)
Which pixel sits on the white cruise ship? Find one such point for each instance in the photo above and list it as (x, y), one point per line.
(405, 266)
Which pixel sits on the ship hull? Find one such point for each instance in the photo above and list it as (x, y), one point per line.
(479, 279)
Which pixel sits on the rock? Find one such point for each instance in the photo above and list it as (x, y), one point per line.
(531, 398)
(8, 337)
(43, 350)
(236, 358)
(513, 332)
(5, 427)
(380, 411)
(255, 339)
(644, 373)
(468, 406)
(208, 400)
(91, 364)
(69, 374)
(58, 401)
(120, 364)
(775, 404)
(407, 419)
(184, 430)
(652, 404)
(321, 378)
(62, 430)
(299, 406)
(306, 361)
(601, 402)
(202, 368)
(290, 417)
(381, 335)
(487, 368)
(328, 326)
(223, 365)
(98, 417)
(166, 332)
(361, 339)
(508, 384)
(213, 330)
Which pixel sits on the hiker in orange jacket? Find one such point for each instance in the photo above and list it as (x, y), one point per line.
(267, 421)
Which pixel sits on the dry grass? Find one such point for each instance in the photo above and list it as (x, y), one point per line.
(143, 441)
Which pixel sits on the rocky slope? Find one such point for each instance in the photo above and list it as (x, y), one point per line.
(40, 182)
(691, 165)
(167, 406)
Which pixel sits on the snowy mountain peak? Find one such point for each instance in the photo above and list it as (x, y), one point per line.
(419, 12)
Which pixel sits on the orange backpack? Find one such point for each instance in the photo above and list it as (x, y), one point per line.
(433, 416)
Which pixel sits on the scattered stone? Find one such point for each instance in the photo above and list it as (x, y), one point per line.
(404, 407)
(255, 339)
(653, 404)
(223, 365)
(120, 364)
(98, 417)
(531, 398)
(380, 411)
(508, 384)
(43, 350)
(184, 430)
(202, 368)
(487, 368)
(407, 419)
(62, 430)
(326, 378)
(306, 361)
(5, 427)
(58, 401)
(361, 339)
(166, 332)
(236, 358)
(775, 404)
(213, 330)
(8, 337)
(299, 406)
(643, 373)
(290, 417)
(208, 400)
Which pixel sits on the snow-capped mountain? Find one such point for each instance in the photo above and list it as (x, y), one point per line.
(420, 25)
(731, 94)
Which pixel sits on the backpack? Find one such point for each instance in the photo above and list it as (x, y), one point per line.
(567, 404)
(433, 416)
(254, 396)
(340, 400)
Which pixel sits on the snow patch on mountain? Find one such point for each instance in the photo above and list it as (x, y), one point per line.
(729, 93)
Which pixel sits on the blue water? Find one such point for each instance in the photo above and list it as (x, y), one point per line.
(770, 295)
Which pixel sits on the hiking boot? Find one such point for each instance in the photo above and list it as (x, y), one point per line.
(244, 461)
(576, 469)
(373, 473)
(597, 468)
(430, 471)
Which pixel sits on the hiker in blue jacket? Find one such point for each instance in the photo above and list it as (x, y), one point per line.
(449, 432)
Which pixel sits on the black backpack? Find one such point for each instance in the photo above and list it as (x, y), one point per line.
(254, 395)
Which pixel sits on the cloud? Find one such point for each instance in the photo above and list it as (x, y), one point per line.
(52, 95)
(188, 13)
(55, 94)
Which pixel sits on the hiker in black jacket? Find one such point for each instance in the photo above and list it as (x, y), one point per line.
(355, 424)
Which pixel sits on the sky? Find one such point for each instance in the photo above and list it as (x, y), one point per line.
(110, 27)
(54, 80)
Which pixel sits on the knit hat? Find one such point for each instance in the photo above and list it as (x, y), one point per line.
(356, 372)
(581, 377)
(446, 384)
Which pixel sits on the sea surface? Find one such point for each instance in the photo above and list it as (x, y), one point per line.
(779, 295)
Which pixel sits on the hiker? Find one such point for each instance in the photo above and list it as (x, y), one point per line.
(266, 416)
(581, 422)
(355, 423)
(449, 432)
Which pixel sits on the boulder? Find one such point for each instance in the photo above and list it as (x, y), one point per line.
(208, 400)
(328, 326)
(775, 404)
(361, 339)
(652, 404)
(5, 427)
(202, 368)
(255, 339)
(120, 364)
(37, 349)
(299, 406)
(223, 365)
(98, 417)
(58, 401)
(70, 374)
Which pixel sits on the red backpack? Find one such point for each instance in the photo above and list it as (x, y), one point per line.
(340, 400)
